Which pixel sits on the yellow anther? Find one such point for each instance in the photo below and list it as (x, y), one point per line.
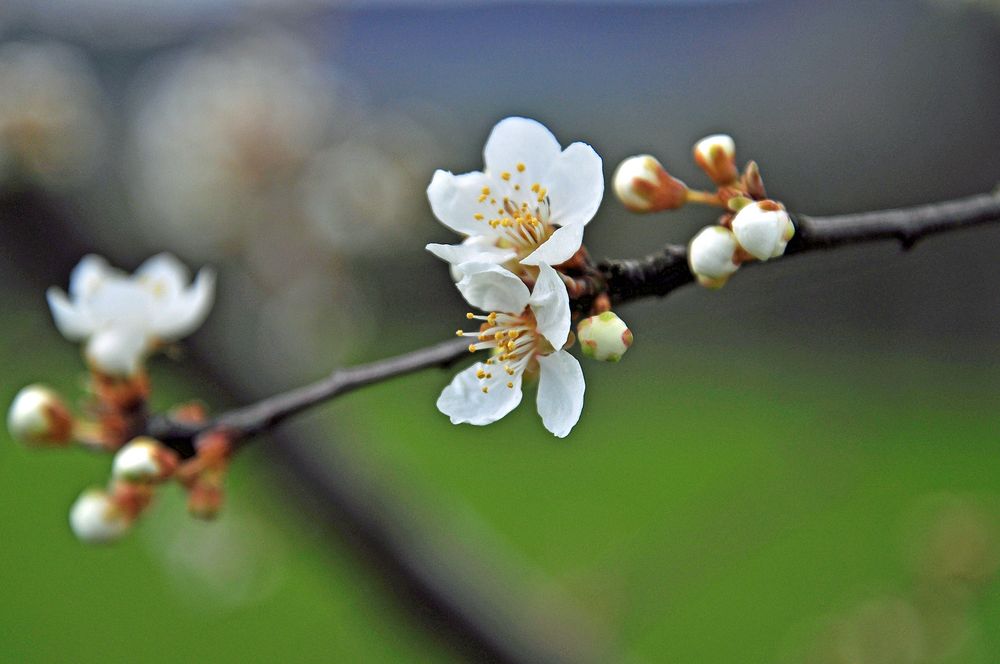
(477, 216)
(486, 390)
(510, 385)
(492, 317)
(482, 198)
(489, 375)
(505, 175)
(536, 187)
(493, 201)
(510, 372)
(498, 336)
(520, 168)
(470, 315)
(486, 191)
(542, 194)
(459, 333)
(517, 187)
(510, 346)
(480, 374)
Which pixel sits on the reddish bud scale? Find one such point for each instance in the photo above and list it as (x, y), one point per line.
(752, 182)
(718, 164)
(205, 501)
(131, 498)
(668, 194)
(120, 406)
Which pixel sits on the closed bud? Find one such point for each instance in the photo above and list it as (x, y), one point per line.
(711, 256)
(753, 183)
(38, 416)
(144, 460)
(763, 229)
(643, 185)
(716, 155)
(96, 519)
(604, 337)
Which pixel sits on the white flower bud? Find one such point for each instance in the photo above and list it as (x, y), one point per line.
(643, 185)
(763, 229)
(96, 519)
(711, 254)
(144, 460)
(38, 416)
(716, 155)
(604, 337)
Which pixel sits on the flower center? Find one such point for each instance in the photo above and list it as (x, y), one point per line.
(514, 340)
(517, 212)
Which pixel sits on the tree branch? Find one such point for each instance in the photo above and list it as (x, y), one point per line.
(667, 270)
(623, 280)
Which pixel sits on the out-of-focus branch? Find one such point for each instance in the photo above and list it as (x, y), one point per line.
(622, 280)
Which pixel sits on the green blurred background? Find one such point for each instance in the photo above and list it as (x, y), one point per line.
(799, 468)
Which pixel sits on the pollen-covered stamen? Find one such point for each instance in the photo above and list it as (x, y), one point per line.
(516, 210)
(514, 341)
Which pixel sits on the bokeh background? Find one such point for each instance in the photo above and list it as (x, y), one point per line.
(802, 467)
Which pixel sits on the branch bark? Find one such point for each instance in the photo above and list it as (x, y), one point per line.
(623, 280)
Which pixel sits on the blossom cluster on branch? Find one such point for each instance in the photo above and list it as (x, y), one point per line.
(521, 263)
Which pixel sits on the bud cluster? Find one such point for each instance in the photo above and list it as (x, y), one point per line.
(122, 319)
(751, 227)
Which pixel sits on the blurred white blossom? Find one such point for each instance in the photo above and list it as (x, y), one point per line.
(51, 129)
(222, 135)
(123, 318)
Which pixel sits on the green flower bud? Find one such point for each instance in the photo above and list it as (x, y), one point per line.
(604, 337)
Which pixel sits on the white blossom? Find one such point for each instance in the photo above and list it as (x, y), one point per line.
(123, 318)
(711, 254)
(525, 332)
(95, 519)
(763, 229)
(529, 204)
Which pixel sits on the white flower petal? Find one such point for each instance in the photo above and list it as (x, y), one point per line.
(471, 252)
(165, 274)
(464, 401)
(492, 288)
(119, 302)
(88, 274)
(187, 311)
(559, 248)
(117, 351)
(72, 321)
(550, 304)
(560, 392)
(454, 200)
(516, 141)
(575, 184)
